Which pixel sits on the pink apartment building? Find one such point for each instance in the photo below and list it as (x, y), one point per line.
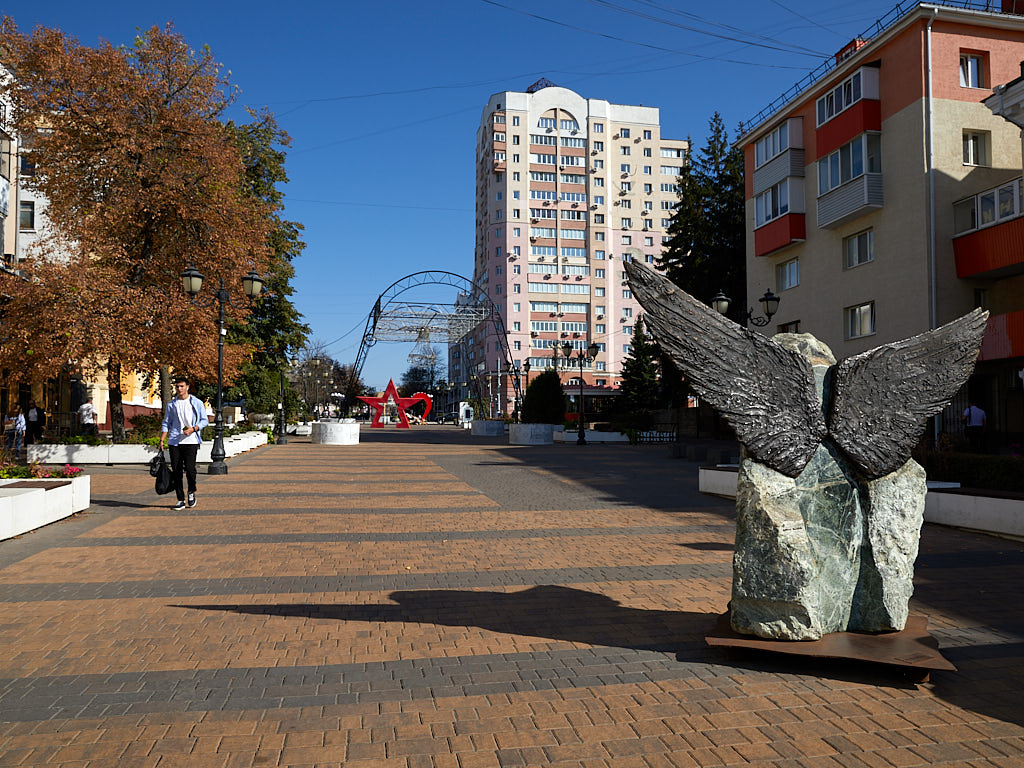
(567, 189)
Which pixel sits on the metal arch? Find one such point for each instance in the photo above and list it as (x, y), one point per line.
(477, 295)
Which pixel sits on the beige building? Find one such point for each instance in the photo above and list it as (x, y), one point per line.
(567, 189)
(862, 186)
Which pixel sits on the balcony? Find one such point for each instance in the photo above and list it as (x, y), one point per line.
(779, 233)
(850, 201)
(989, 233)
(1004, 336)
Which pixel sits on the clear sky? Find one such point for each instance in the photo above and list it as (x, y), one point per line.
(383, 101)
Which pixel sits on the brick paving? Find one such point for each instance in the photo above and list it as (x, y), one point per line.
(433, 599)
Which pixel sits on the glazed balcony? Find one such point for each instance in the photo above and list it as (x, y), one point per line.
(988, 238)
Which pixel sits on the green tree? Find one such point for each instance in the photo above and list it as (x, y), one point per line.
(706, 251)
(544, 401)
(640, 390)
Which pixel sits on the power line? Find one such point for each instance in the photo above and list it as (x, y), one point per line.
(805, 18)
(636, 42)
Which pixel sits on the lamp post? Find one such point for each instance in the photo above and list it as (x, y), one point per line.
(252, 286)
(282, 425)
(582, 357)
(526, 370)
(769, 306)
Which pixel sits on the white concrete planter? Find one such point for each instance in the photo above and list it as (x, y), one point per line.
(133, 454)
(25, 509)
(981, 513)
(531, 434)
(332, 433)
(718, 481)
(484, 428)
(130, 454)
(43, 453)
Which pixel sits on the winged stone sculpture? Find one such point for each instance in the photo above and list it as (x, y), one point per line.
(829, 502)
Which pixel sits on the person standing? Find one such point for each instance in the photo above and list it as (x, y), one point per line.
(974, 419)
(35, 420)
(184, 418)
(87, 417)
(15, 429)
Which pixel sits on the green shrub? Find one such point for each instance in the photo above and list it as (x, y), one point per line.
(144, 425)
(974, 470)
(82, 440)
(544, 402)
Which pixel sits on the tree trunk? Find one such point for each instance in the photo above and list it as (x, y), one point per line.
(166, 393)
(115, 399)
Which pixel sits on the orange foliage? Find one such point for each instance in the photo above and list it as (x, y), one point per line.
(142, 179)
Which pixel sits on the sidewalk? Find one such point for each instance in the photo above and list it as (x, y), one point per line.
(431, 599)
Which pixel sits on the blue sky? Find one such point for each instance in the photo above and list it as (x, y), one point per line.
(383, 101)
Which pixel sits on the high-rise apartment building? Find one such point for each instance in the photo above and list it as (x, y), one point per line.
(567, 189)
(884, 196)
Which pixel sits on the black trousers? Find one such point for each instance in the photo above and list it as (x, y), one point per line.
(183, 457)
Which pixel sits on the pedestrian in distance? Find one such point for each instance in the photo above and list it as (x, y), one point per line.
(35, 420)
(87, 417)
(14, 430)
(184, 419)
(974, 420)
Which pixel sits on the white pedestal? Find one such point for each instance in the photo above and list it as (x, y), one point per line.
(333, 433)
(488, 428)
(531, 434)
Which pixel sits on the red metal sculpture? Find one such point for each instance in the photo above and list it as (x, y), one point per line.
(401, 403)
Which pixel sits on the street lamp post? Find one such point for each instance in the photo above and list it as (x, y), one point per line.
(252, 286)
(582, 357)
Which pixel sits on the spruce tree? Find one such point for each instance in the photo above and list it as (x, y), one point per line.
(544, 401)
(640, 390)
(706, 250)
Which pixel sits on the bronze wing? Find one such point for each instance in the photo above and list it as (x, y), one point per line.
(882, 398)
(765, 391)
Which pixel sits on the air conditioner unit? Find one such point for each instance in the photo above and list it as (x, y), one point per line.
(645, 229)
(575, 335)
(565, 277)
(575, 131)
(552, 314)
(549, 130)
(533, 334)
(616, 136)
(624, 176)
(636, 140)
(547, 277)
(533, 221)
(622, 194)
(600, 317)
(575, 205)
(594, 152)
(561, 167)
(579, 277)
(617, 202)
(593, 207)
(622, 319)
(533, 239)
(540, 258)
(565, 258)
(561, 314)
(564, 335)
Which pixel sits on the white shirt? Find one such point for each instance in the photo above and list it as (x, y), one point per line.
(187, 418)
(87, 413)
(975, 416)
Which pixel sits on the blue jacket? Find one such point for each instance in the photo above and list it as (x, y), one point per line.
(173, 427)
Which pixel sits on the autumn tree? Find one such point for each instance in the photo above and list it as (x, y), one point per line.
(142, 178)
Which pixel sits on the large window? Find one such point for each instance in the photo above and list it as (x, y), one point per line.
(542, 232)
(569, 141)
(544, 269)
(860, 320)
(773, 144)
(539, 138)
(839, 98)
(671, 170)
(546, 122)
(972, 70)
(858, 249)
(988, 207)
(850, 161)
(542, 287)
(543, 159)
(575, 288)
(543, 194)
(573, 307)
(789, 274)
(543, 306)
(542, 176)
(573, 234)
(772, 203)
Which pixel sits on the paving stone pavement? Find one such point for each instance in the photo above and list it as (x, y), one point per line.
(431, 599)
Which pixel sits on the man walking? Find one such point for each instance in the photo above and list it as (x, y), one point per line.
(87, 417)
(974, 419)
(184, 418)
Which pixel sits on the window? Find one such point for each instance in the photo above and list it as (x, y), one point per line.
(670, 188)
(575, 288)
(598, 165)
(542, 232)
(649, 241)
(516, 308)
(665, 223)
(671, 170)
(860, 156)
(573, 197)
(599, 328)
(627, 330)
(599, 309)
(574, 215)
(574, 327)
(515, 120)
(574, 252)
(627, 294)
(860, 320)
(648, 188)
(624, 133)
(623, 150)
(599, 236)
(27, 214)
(570, 125)
(599, 218)
(972, 71)
(515, 157)
(569, 141)
(599, 255)
(976, 148)
(499, 119)
(515, 175)
(598, 181)
(499, 157)
(516, 288)
(575, 269)
(543, 269)
(598, 291)
(516, 232)
(839, 98)
(769, 205)
(647, 152)
(789, 274)
(627, 311)
(517, 326)
(543, 213)
(516, 269)
(790, 327)
(598, 273)
(858, 249)
(543, 287)
(599, 146)
(543, 326)
(775, 143)
(627, 239)
(546, 122)
(542, 176)
(542, 194)
(499, 136)
(515, 138)
(515, 194)
(572, 160)
(497, 269)
(573, 307)
(543, 306)
(517, 345)
(626, 187)
(648, 205)
(572, 234)
(543, 250)
(573, 178)
(624, 167)
(649, 258)
(598, 127)
(627, 349)
(543, 159)
(28, 168)
(671, 152)
(647, 170)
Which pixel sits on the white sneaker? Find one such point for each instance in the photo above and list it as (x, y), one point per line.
(179, 505)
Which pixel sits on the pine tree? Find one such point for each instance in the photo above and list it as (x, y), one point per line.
(706, 251)
(640, 390)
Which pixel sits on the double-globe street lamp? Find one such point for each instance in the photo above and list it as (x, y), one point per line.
(252, 286)
(582, 357)
(769, 305)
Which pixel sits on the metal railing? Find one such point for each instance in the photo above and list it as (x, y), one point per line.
(898, 12)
